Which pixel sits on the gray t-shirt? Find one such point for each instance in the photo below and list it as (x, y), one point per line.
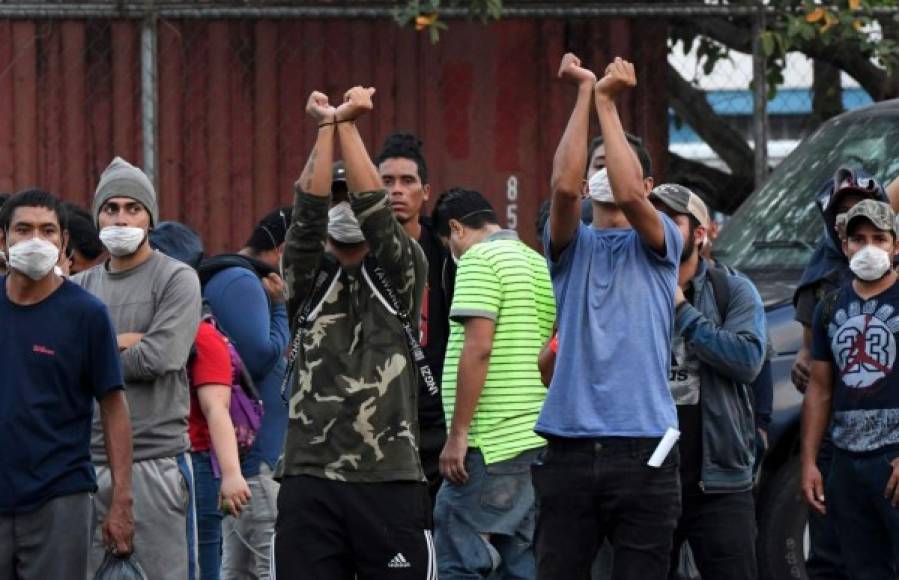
(160, 299)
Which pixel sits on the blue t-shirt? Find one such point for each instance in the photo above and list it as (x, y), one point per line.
(860, 342)
(57, 356)
(260, 334)
(615, 312)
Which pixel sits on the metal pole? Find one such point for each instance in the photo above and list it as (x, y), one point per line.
(148, 94)
(137, 9)
(760, 98)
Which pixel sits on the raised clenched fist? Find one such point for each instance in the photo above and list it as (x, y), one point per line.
(570, 70)
(319, 108)
(619, 76)
(356, 102)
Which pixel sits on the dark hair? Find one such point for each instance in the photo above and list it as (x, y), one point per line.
(466, 206)
(405, 146)
(636, 144)
(177, 241)
(33, 198)
(271, 230)
(83, 234)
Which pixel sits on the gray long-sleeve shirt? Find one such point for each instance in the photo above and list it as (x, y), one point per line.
(160, 299)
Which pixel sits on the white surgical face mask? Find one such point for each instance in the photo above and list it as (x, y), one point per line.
(35, 257)
(122, 241)
(342, 224)
(870, 263)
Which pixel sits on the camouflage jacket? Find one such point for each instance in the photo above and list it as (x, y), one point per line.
(353, 408)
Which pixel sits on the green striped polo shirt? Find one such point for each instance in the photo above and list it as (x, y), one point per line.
(504, 280)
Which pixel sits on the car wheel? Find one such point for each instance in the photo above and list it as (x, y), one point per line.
(782, 524)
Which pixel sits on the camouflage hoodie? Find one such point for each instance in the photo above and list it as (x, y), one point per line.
(354, 394)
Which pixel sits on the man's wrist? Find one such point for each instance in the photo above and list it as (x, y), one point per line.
(458, 432)
(120, 497)
(807, 458)
(604, 99)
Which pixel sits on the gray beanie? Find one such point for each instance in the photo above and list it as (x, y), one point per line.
(121, 179)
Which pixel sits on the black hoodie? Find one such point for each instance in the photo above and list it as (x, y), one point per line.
(435, 321)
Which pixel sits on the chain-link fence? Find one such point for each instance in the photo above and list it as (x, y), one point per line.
(210, 100)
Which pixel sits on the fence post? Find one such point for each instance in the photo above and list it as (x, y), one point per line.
(760, 97)
(148, 93)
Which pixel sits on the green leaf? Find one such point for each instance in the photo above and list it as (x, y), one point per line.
(767, 44)
(495, 8)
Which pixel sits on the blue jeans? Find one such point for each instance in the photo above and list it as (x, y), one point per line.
(497, 500)
(209, 517)
(866, 523)
(825, 562)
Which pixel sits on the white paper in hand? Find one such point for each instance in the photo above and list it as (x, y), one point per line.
(664, 447)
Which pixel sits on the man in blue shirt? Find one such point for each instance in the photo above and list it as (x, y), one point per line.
(58, 353)
(609, 403)
(246, 295)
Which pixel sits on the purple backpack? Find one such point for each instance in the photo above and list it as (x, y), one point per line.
(246, 408)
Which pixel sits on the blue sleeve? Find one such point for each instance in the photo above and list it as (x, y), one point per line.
(105, 365)
(566, 256)
(674, 242)
(259, 332)
(560, 270)
(737, 349)
(820, 340)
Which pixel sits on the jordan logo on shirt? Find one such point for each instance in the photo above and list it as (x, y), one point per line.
(864, 343)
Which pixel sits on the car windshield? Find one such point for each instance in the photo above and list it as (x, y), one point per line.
(778, 226)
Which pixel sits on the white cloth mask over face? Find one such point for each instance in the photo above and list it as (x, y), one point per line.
(122, 241)
(870, 263)
(342, 224)
(35, 257)
(599, 187)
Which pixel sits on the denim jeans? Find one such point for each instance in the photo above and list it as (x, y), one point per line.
(591, 489)
(209, 517)
(248, 538)
(866, 523)
(825, 562)
(497, 501)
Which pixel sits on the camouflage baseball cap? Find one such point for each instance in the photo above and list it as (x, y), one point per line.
(682, 200)
(879, 213)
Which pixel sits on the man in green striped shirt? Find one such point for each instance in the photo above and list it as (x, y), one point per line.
(502, 312)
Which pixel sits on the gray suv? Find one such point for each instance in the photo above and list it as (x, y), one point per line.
(771, 238)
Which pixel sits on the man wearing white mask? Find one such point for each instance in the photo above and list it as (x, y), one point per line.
(353, 498)
(614, 283)
(154, 302)
(853, 379)
(58, 352)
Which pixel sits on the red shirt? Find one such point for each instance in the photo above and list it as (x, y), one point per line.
(211, 365)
